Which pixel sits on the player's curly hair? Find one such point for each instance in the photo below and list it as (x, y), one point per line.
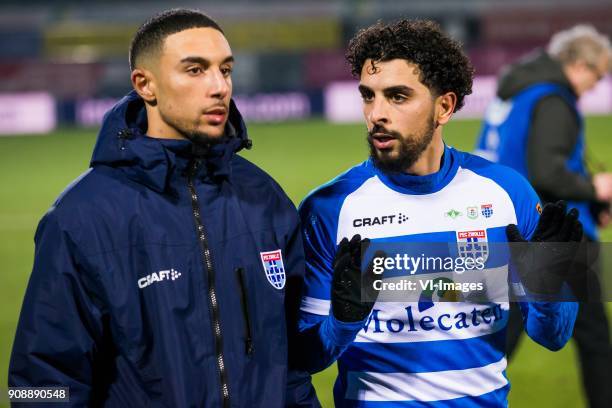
(443, 66)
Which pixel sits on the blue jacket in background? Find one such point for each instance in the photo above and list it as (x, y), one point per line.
(127, 306)
(505, 134)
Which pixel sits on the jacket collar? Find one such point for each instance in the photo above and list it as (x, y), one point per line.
(122, 143)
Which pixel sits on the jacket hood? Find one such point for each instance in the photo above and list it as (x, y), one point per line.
(122, 143)
(534, 68)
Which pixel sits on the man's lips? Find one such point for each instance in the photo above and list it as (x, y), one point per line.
(382, 141)
(216, 116)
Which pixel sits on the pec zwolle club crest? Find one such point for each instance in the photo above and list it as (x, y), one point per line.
(486, 210)
(273, 265)
(473, 244)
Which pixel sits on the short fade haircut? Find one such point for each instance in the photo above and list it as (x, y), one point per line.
(150, 36)
(442, 64)
(579, 43)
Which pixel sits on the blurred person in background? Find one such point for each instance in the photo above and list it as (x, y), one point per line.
(414, 189)
(160, 274)
(535, 126)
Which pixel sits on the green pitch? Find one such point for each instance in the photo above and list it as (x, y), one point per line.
(301, 156)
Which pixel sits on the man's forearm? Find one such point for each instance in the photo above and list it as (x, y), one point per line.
(322, 339)
(550, 324)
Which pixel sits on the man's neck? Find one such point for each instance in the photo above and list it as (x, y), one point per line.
(430, 160)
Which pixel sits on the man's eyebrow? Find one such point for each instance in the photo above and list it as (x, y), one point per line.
(204, 61)
(364, 89)
(402, 89)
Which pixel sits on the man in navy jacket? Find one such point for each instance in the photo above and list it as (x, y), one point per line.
(160, 275)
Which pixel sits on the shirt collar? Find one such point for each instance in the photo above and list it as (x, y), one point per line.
(431, 183)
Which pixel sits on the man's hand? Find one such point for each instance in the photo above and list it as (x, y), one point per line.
(603, 186)
(545, 262)
(347, 282)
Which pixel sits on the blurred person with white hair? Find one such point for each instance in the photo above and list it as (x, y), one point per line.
(535, 126)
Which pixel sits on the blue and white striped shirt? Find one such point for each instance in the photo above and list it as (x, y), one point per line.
(447, 353)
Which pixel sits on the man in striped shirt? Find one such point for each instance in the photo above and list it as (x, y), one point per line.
(415, 189)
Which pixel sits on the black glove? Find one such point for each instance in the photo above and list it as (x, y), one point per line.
(347, 282)
(547, 260)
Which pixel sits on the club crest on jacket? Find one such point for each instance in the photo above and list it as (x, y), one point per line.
(273, 266)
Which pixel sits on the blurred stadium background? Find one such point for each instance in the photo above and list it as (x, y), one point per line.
(64, 63)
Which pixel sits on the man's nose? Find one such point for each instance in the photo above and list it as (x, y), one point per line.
(219, 87)
(378, 112)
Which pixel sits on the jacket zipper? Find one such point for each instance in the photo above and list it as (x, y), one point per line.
(250, 348)
(212, 293)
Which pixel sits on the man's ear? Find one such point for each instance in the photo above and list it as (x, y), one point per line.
(143, 82)
(445, 106)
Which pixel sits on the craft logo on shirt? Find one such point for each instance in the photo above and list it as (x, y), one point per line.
(473, 244)
(486, 210)
(398, 218)
(168, 274)
(273, 266)
(539, 208)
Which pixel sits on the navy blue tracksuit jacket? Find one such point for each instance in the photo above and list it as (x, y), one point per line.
(160, 276)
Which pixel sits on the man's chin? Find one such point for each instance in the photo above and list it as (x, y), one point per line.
(213, 132)
(386, 155)
(384, 162)
(389, 161)
(205, 137)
